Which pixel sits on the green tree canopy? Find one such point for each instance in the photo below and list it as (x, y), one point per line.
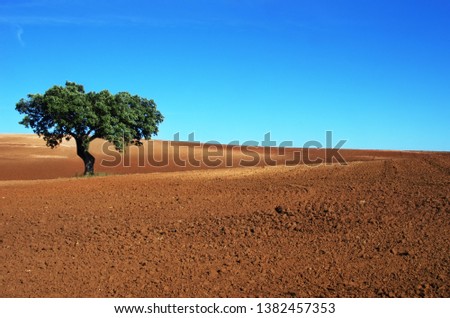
(69, 112)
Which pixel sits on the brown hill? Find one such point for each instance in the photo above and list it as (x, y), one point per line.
(26, 157)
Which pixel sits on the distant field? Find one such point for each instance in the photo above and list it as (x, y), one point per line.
(26, 157)
(376, 227)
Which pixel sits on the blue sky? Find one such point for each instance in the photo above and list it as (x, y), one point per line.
(376, 73)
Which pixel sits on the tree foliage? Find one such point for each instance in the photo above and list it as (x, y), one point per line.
(69, 112)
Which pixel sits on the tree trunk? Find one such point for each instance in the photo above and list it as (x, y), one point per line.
(83, 153)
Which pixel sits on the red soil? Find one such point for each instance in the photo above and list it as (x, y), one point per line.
(377, 227)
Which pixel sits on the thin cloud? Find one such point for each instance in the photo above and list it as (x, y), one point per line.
(43, 20)
(105, 20)
(124, 20)
(19, 33)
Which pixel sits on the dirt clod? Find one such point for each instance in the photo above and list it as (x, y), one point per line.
(279, 209)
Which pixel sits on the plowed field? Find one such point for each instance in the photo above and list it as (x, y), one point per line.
(378, 226)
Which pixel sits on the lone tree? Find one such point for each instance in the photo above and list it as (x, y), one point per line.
(69, 112)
